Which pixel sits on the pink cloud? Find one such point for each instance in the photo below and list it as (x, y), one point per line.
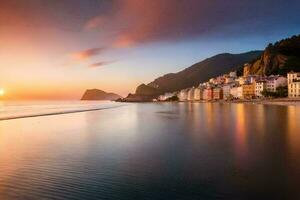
(143, 21)
(85, 54)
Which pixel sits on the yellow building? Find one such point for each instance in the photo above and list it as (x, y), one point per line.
(294, 84)
(248, 91)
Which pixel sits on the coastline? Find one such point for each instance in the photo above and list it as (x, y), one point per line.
(277, 101)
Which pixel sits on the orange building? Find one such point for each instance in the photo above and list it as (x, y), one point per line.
(248, 91)
(208, 94)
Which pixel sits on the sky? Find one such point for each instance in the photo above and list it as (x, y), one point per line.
(55, 49)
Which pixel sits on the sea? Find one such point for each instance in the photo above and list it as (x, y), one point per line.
(89, 150)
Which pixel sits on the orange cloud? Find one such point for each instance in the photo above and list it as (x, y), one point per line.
(83, 55)
(123, 41)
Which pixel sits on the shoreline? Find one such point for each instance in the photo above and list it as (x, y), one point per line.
(265, 101)
(277, 101)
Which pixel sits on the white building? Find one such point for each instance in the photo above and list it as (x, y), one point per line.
(293, 84)
(240, 92)
(183, 95)
(190, 95)
(273, 82)
(259, 87)
(198, 93)
(166, 96)
(234, 92)
(226, 90)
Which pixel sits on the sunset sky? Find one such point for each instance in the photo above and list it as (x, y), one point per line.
(55, 49)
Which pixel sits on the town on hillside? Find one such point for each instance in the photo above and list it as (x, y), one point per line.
(246, 87)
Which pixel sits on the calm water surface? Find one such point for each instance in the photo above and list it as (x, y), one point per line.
(154, 151)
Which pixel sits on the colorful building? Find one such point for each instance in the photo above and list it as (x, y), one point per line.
(217, 93)
(248, 91)
(198, 93)
(183, 95)
(190, 95)
(293, 84)
(208, 94)
(234, 92)
(226, 91)
(273, 82)
(240, 92)
(166, 96)
(260, 86)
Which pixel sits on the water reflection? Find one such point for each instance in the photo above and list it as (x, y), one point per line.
(154, 151)
(241, 134)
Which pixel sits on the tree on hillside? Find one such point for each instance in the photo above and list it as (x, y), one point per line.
(281, 92)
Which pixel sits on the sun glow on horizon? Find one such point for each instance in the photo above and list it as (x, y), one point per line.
(2, 92)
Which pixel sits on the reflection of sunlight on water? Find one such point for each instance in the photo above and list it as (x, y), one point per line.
(294, 129)
(259, 118)
(208, 109)
(142, 146)
(225, 116)
(194, 120)
(240, 132)
(107, 125)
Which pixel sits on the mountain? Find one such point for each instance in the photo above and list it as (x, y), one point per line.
(278, 58)
(147, 90)
(95, 94)
(193, 75)
(202, 71)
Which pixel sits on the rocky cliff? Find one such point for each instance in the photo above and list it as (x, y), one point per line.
(95, 94)
(278, 58)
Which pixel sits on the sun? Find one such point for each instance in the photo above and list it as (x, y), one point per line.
(2, 92)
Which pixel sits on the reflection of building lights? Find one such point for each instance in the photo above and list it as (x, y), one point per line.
(240, 130)
(293, 129)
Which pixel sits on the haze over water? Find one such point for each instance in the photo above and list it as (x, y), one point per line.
(154, 151)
